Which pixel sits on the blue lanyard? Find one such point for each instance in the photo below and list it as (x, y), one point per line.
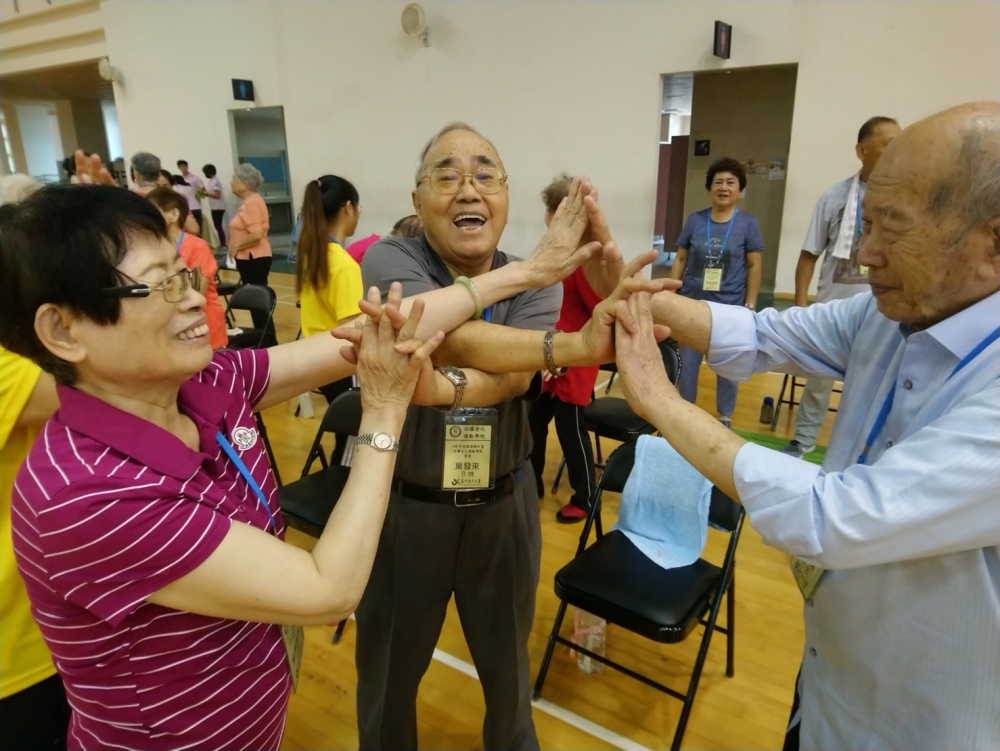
(488, 314)
(235, 458)
(857, 222)
(725, 240)
(883, 413)
(180, 239)
(335, 240)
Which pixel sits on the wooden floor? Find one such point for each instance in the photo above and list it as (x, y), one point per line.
(748, 711)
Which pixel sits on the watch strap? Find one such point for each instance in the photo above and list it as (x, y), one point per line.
(458, 380)
(368, 439)
(547, 352)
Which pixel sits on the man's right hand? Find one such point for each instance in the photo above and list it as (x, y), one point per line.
(561, 250)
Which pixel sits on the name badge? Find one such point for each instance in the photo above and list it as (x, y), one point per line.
(807, 576)
(469, 455)
(712, 281)
(293, 637)
(863, 270)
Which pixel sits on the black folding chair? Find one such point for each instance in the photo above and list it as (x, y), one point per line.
(260, 302)
(226, 290)
(307, 503)
(613, 580)
(791, 400)
(610, 416)
(612, 368)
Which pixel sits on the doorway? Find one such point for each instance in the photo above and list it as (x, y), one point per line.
(743, 113)
(258, 138)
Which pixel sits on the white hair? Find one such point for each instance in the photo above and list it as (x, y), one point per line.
(450, 127)
(250, 175)
(15, 188)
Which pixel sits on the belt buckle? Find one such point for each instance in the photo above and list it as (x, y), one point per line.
(476, 494)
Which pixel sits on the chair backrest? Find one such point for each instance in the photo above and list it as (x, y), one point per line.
(343, 416)
(723, 511)
(671, 359)
(617, 469)
(253, 297)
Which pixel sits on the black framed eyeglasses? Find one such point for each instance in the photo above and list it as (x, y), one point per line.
(447, 180)
(174, 287)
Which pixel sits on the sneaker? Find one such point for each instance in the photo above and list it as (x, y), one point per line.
(570, 514)
(726, 421)
(796, 449)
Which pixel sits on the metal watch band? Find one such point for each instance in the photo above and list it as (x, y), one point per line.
(550, 363)
(378, 441)
(458, 379)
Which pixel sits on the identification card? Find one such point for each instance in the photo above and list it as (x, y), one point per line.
(469, 449)
(713, 279)
(806, 576)
(863, 270)
(293, 638)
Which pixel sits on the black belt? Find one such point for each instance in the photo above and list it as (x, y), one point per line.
(502, 488)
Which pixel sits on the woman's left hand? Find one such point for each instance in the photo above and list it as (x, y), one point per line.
(640, 362)
(90, 170)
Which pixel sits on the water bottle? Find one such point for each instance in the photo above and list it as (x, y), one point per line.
(589, 633)
(767, 410)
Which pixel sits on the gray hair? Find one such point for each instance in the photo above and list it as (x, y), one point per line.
(15, 188)
(449, 128)
(250, 175)
(146, 165)
(971, 188)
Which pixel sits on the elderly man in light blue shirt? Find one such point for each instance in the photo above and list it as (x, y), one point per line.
(903, 628)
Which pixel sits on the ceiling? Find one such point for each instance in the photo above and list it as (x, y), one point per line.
(678, 91)
(79, 81)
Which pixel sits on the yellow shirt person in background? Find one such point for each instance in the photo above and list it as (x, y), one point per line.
(33, 708)
(328, 280)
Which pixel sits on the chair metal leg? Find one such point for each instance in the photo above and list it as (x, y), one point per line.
(611, 382)
(560, 614)
(731, 626)
(339, 632)
(262, 429)
(559, 473)
(777, 407)
(600, 457)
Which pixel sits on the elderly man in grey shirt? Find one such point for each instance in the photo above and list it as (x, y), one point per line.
(482, 544)
(839, 278)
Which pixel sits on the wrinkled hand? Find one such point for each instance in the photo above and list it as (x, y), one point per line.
(640, 363)
(599, 332)
(390, 361)
(561, 250)
(604, 269)
(90, 170)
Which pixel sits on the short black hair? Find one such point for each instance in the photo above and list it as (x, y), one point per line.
(726, 164)
(62, 245)
(209, 171)
(868, 129)
(181, 163)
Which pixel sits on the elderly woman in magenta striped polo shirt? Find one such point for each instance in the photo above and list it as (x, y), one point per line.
(145, 518)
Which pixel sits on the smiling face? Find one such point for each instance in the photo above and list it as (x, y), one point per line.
(464, 228)
(725, 190)
(154, 342)
(924, 265)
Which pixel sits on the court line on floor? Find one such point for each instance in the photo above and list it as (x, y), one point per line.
(570, 718)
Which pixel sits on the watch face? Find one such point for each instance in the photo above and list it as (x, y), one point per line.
(382, 441)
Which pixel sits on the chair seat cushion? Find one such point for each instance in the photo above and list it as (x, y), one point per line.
(225, 289)
(247, 339)
(611, 417)
(308, 502)
(613, 580)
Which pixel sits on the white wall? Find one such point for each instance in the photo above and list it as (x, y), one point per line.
(114, 133)
(557, 84)
(40, 138)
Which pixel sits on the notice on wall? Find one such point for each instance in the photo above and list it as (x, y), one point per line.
(776, 169)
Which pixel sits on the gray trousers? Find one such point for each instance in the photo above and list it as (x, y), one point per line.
(488, 557)
(725, 389)
(812, 409)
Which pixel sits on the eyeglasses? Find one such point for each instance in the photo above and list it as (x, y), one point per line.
(174, 287)
(447, 181)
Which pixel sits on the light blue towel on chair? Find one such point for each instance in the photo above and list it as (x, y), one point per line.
(664, 507)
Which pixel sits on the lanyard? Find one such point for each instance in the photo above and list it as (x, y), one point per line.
(883, 414)
(857, 221)
(180, 239)
(725, 240)
(235, 458)
(335, 240)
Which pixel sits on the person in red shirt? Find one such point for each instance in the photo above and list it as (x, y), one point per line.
(564, 398)
(196, 254)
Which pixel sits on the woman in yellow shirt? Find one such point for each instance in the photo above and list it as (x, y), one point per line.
(328, 280)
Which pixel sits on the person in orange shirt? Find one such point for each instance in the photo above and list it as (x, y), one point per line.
(196, 254)
(248, 230)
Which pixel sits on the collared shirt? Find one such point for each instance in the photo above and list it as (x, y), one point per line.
(903, 633)
(412, 262)
(216, 204)
(107, 510)
(839, 278)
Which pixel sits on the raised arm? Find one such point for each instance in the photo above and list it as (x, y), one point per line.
(253, 576)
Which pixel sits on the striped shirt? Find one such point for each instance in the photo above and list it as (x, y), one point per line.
(107, 510)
